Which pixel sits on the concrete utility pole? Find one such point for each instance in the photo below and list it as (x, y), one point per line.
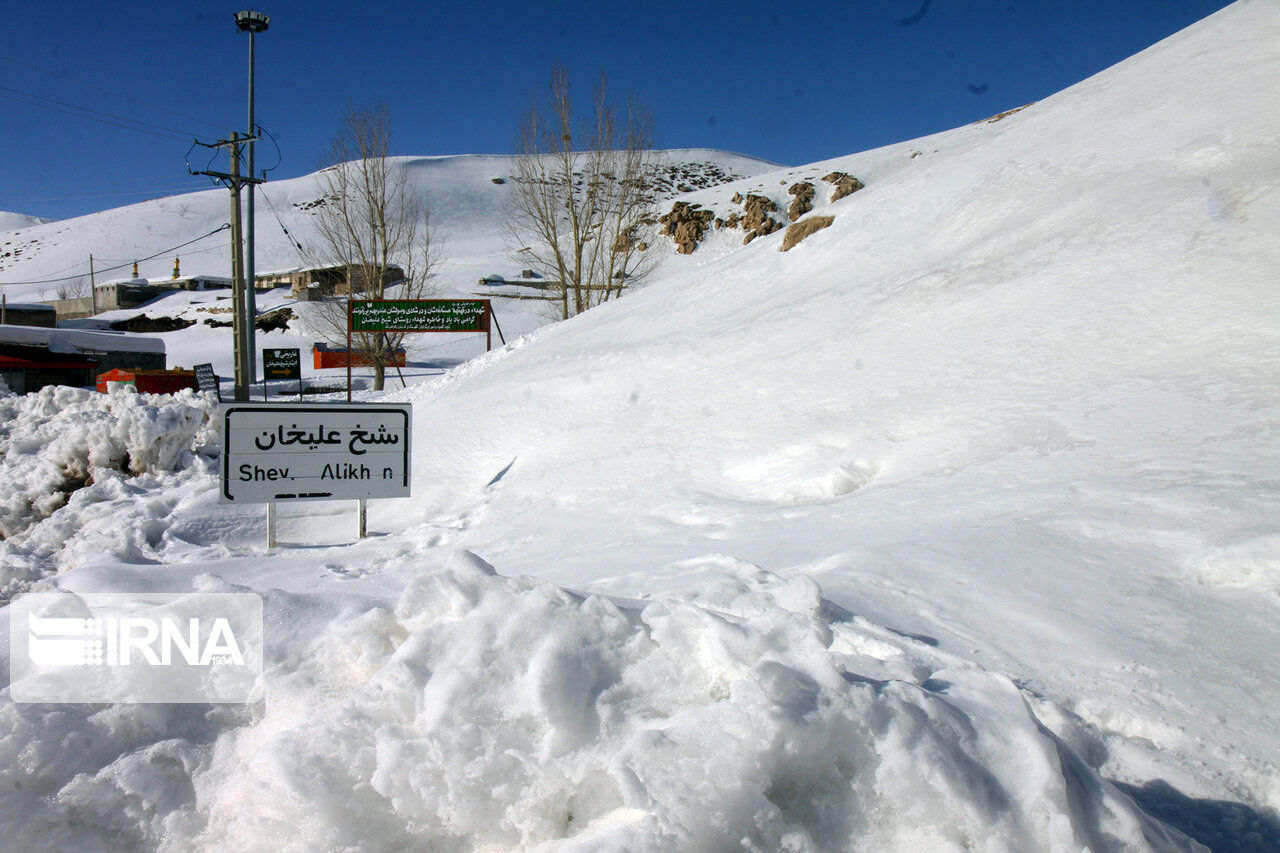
(251, 23)
(239, 320)
(241, 323)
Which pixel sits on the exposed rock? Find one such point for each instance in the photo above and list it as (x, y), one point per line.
(271, 321)
(1005, 114)
(737, 198)
(144, 324)
(803, 203)
(797, 231)
(756, 219)
(274, 321)
(844, 184)
(686, 224)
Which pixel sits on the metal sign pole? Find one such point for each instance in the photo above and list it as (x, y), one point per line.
(348, 343)
(271, 524)
(494, 318)
(363, 529)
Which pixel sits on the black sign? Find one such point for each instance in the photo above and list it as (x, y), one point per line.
(281, 364)
(206, 379)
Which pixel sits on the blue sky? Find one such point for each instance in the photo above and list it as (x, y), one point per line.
(788, 83)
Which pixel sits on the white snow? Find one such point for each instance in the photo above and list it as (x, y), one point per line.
(953, 528)
(80, 340)
(16, 221)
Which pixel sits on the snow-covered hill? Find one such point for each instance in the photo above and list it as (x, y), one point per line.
(953, 527)
(463, 193)
(17, 221)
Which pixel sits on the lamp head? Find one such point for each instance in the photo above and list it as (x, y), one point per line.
(251, 22)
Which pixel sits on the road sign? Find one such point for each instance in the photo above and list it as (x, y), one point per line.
(281, 363)
(317, 451)
(420, 315)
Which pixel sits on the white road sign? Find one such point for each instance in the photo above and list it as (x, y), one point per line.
(315, 451)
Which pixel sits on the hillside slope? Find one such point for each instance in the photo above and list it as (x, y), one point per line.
(1019, 397)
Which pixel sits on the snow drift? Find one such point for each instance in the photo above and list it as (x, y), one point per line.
(484, 712)
(59, 440)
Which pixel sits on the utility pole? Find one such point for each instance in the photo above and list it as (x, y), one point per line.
(240, 321)
(93, 287)
(239, 326)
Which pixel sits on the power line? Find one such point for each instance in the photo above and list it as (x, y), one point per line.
(108, 91)
(301, 251)
(92, 115)
(223, 227)
(144, 191)
(91, 118)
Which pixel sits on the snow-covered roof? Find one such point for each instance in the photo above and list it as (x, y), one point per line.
(80, 340)
(163, 280)
(28, 306)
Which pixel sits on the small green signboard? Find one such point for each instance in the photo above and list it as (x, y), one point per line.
(420, 315)
(281, 363)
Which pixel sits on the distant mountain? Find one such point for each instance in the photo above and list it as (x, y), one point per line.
(16, 221)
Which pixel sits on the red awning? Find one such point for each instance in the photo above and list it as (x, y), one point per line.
(61, 362)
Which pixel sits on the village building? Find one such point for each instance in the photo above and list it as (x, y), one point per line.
(27, 314)
(32, 357)
(341, 280)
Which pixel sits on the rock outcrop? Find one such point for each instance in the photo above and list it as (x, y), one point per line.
(797, 231)
(756, 220)
(803, 202)
(844, 184)
(686, 224)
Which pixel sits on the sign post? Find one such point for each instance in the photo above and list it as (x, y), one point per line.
(317, 451)
(281, 364)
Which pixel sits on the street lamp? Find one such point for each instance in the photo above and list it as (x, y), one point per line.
(251, 23)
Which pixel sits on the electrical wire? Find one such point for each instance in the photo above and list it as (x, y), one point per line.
(223, 227)
(143, 191)
(84, 115)
(302, 253)
(108, 91)
(279, 157)
(93, 112)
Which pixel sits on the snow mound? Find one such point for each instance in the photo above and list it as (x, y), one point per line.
(61, 439)
(486, 711)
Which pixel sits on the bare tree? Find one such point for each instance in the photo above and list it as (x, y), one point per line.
(75, 288)
(579, 209)
(373, 228)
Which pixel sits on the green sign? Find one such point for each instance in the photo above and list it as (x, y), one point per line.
(420, 315)
(281, 364)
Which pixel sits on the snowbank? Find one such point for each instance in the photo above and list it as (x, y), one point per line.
(483, 710)
(59, 440)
